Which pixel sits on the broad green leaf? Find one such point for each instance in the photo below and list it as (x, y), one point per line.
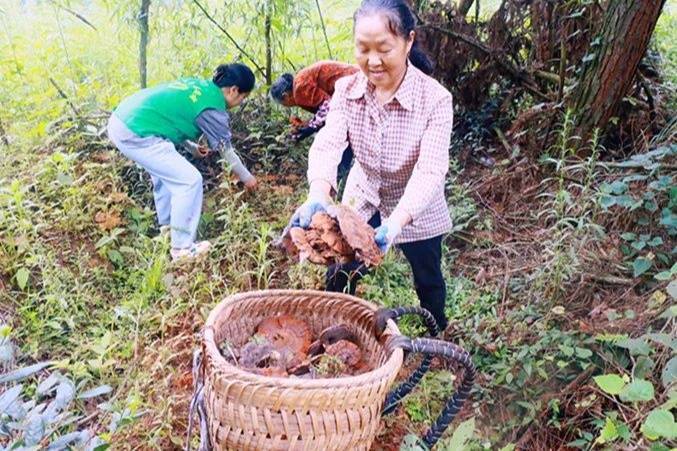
(636, 346)
(659, 423)
(508, 447)
(663, 275)
(664, 339)
(98, 391)
(462, 434)
(22, 373)
(638, 245)
(655, 241)
(672, 289)
(583, 353)
(412, 443)
(640, 266)
(9, 397)
(629, 236)
(607, 201)
(619, 187)
(22, 276)
(669, 312)
(48, 384)
(669, 374)
(610, 383)
(637, 390)
(35, 430)
(608, 433)
(643, 368)
(64, 179)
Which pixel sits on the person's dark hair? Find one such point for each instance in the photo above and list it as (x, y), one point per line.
(401, 22)
(282, 86)
(234, 74)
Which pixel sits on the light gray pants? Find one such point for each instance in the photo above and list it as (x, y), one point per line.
(177, 185)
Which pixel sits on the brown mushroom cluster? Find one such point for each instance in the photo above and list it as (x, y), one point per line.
(338, 236)
(284, 346)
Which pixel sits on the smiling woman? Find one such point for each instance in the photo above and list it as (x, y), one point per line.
(384, 41)
(398, 122)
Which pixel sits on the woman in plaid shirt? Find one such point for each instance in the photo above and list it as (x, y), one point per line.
(398, 121)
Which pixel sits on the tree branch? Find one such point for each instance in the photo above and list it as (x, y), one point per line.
(223, 30)
(515, 72)
(64, 96)
(74, 13)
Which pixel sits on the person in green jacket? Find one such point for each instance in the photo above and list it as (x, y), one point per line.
(147, 126)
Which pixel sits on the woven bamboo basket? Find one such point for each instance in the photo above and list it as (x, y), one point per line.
(246, 411)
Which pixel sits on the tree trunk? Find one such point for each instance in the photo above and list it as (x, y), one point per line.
(143, 42)
(269, 44)
(622, 42)
(464, 7)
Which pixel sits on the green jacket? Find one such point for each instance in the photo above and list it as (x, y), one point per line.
(169, 110)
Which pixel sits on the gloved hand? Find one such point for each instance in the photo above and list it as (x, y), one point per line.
(386, 234)
(317, 201)
(302, 133)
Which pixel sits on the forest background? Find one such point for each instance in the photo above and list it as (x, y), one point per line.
(561, 267)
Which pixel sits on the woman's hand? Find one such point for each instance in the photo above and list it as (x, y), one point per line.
(251, 184)
(318, 200)
(199, 151)
(391, 228)
(386, 234)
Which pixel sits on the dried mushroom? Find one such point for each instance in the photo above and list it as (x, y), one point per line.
(338, 236)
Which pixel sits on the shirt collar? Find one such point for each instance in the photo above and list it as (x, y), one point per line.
(404, 94)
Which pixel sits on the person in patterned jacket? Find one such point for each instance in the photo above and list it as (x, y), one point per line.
(311, 89)
(398, 121)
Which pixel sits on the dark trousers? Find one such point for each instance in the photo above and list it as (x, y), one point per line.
(425, 260)
(345, 164)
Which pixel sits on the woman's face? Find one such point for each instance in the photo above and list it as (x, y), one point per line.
(233, 96)
(381, 55)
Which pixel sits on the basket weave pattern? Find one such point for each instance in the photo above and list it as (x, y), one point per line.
(251, 412)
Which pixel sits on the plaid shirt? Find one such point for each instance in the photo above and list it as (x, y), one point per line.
(401, 151)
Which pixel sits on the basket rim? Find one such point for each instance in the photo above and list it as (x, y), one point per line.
(392, 365)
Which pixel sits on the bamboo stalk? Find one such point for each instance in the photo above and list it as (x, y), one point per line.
(324, 30)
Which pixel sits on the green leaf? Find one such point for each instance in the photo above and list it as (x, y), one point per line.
(608, 433)
(619, 187)
(462, 434)
(64, 179)
(508, 447)
(607, 201)
(637, 390)
(659, 423)
(583, 353)
(664, 275)
(669, 374)
(98, 391)
(22, 373)
(639, 245)
(640, 266)
(672, 289)
(610, 383)
(655, 241)
(629, 236)
(412, 443)
(22, 278)
(636, 346)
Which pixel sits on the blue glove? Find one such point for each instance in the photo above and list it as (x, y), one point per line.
(315, 203)
(386, 234)
(304, 214)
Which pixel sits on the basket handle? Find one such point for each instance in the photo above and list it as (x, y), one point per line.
(429, 348)
(380, 319)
